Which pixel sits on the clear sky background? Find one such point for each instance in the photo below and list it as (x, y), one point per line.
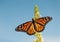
(15, 12)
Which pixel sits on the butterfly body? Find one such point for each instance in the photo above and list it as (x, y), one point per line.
(31, 27)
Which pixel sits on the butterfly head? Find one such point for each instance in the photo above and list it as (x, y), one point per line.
(19, 28)
(32, 20)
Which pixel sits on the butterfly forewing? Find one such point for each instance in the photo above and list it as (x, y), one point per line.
(24, 26)
(43, 20)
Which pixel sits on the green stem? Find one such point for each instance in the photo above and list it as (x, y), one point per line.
(36, 16)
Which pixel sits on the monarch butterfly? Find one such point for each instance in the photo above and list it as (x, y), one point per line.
(31, 27)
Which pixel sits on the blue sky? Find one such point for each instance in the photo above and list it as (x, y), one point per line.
(15, 12)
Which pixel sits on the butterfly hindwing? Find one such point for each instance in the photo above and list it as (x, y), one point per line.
(31, 30)
(26, 25)
(39, 27)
